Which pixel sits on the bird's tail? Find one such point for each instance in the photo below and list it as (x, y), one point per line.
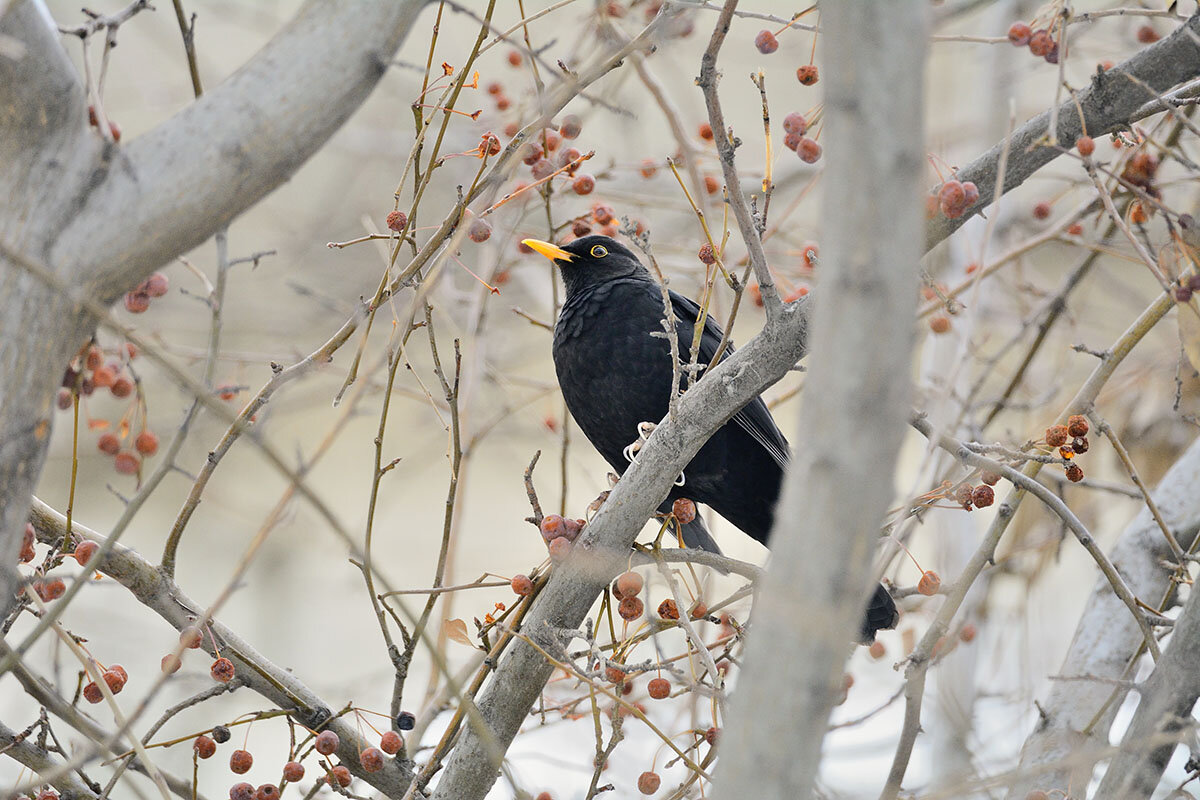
(881, 615)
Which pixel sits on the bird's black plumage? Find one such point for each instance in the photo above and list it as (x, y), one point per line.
(614, 373)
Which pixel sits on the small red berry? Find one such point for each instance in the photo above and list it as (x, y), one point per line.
(648, 168)
(396, 220)
(542, 168)
(515, 58)
(326, 743)
(146, 443)
(532, 153)
(391, 742)
(792, 140)
(522, 585)
(551, 139)
(939, 323)
(489, 144)
(990, 478)
(371, 759)
(570, 127)
(929, 583)
(808, 74)
(706, 132)
(114, 680)
(711, 184)
(553, 526)
(1074, 229)
(240, 761)
(156, 285)
(684, 510)
(1147, 35)
(766, 42)
(631, 608)
(268, 791)
(65, 399)
(1074, 473)
(127, 463)
(1042, 210)
(603, 214)
(1077, 425)
(648, 782)
(241, 791)
(122, 386)
(1019, 33)
(699, 610)
(27, 539)
(222, 670)
(137, 302)
(50, 589)
(983, 496)
(809, 150)
(92, 693)
(877, 650)
(170, 664)
(583, 184)
(580, 228)
(204, 746)
(340, 775)
(659, 688)
(293, 771)
(480, 230)
(190, 637)
(568, 156)
(629, 584)
(1041, 43)
(1057, 435)
(1085, 145)
(968, 632)
(108, 443)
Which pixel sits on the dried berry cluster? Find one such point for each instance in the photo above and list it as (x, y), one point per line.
(138, 300)
(1041, 42)
(1071, 440)
(559, 533)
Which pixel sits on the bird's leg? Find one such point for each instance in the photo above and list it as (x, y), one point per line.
(631, 450)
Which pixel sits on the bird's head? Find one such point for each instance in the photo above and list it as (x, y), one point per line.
(589, 261)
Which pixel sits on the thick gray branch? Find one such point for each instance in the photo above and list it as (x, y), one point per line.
(858, 382)
(1109, 104)
(1106, 637)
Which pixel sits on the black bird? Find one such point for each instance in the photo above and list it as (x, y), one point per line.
(615, 373)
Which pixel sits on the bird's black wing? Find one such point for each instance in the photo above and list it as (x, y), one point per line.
(754, 418)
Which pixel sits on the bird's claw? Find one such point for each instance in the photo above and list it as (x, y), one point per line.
(631, 450)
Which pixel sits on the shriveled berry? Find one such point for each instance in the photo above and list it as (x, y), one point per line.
(603, 214)
(1080, 444)
(204, 746)
(240, 761)
(136, 302)
(659, 688)
(170, 664)
(114, 680)
(241, 791)
(50, 589)
(706, 255)
(1042, 210)
(221, 734)
(489, 144)
(108, 443)
(939, 323)
(1085, 145)
(222, 670)
(146, 443)
(1057, 435)
(648, 782)
(990, 478)
(391, 742)
(706, 132)
(963, 495)
(583, 184)
(156, 285)
(766, 42)
(809, 150)
(268, 791)
(92, 693)
(629, 584)
(929, 583)
(580, 228)
(570, 127)
(1019, 33)
(983, 496)
(480, 230)
(668, 610)
(326, 743)
(631, 608)
(340, 775)
(1077, 425)
(1041, 42)
(808, 75)
(293, 771)
(371, 759)
(1074, 473)
(522, 585)
(27, 551)
(406, 721)
(190, 637)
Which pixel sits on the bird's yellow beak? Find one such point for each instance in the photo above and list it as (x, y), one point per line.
(550, 251)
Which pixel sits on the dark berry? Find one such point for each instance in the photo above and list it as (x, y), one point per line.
(1080, 444)
(405, 721)
(1041, 43)
(1147, 35)
(27, 551)
(220, 734)
(668, 610)
(1074, 473)
(580, 228)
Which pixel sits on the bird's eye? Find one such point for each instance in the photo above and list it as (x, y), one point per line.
(599, 251)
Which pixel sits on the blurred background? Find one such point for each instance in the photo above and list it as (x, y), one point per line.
(304, 605)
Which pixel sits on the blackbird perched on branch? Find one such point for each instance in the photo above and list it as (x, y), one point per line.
(616, 373)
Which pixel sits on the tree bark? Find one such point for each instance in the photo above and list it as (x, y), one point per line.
(854, 407)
